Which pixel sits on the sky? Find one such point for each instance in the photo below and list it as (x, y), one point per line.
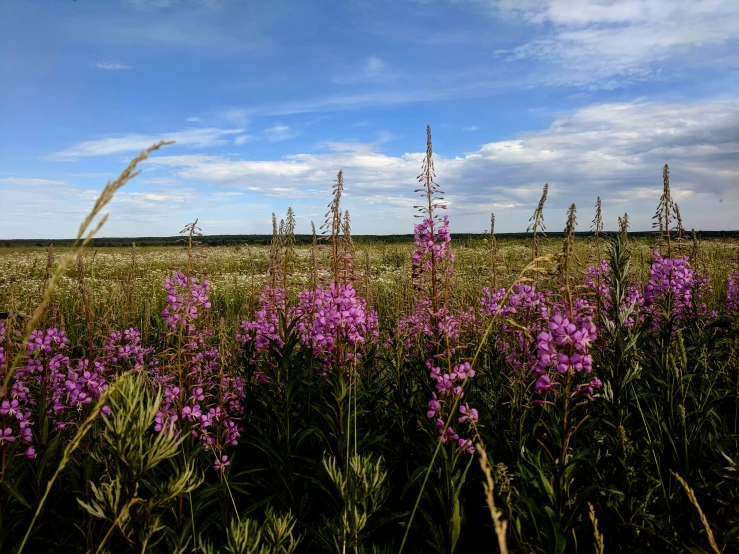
(268, 99)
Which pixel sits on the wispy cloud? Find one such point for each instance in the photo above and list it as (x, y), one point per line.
(133, 142)
(472, 128)
(373, 70)
(607, 44)
(243, 139)
(346, 102)
(158, 4)
(193, 119)
(197, 26)
(280, 132)
(111, 66)
(29, 182)
(151, 4)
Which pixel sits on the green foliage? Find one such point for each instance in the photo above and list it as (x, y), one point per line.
(134, 495)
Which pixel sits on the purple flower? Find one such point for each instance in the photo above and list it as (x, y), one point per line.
(222, 463)
(732, 292)
(544, 384)
(467, 413)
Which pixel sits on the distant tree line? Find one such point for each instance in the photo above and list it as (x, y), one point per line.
(236, 240)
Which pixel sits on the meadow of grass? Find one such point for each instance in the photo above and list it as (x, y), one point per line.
(578, 394)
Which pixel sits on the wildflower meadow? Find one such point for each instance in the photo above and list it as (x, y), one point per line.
(549, 394)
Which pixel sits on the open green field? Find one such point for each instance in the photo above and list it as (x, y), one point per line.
(123, 285)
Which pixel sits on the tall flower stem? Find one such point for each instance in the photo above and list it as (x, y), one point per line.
(534, 265)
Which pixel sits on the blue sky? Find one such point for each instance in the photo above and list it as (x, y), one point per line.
(268, 99)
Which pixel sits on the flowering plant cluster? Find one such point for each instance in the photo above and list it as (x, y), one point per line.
(15, 409)
(184, 298)
(673, 276)
(266, 325)
(526, 307)
(564, 350)
(732, 292)
(48, 377)
(423, 322)
(333, 315)
(124, 349)
(326, 317)
(431, 238)
(199, 397)
(448, 394)
(432, 263)
(673, 280)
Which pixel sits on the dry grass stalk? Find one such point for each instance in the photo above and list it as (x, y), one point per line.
(274, 253)
(667, 212)
(431, 193)
(313, 258)
(596, 227)
(598, 545)
(537, 222)
(348, 252)
(493, 249)
(623, 228)
(331, 228)
(489, 486)
(694, 502)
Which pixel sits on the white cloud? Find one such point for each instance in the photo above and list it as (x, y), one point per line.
(607, 43)
(243, 139)
(193, 119)
(472, 128)
(111, 66)
(133, 142)
(613, 150)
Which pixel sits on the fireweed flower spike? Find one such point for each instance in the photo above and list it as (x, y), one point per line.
(331, 315)
(732, 292)
(210, 406)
